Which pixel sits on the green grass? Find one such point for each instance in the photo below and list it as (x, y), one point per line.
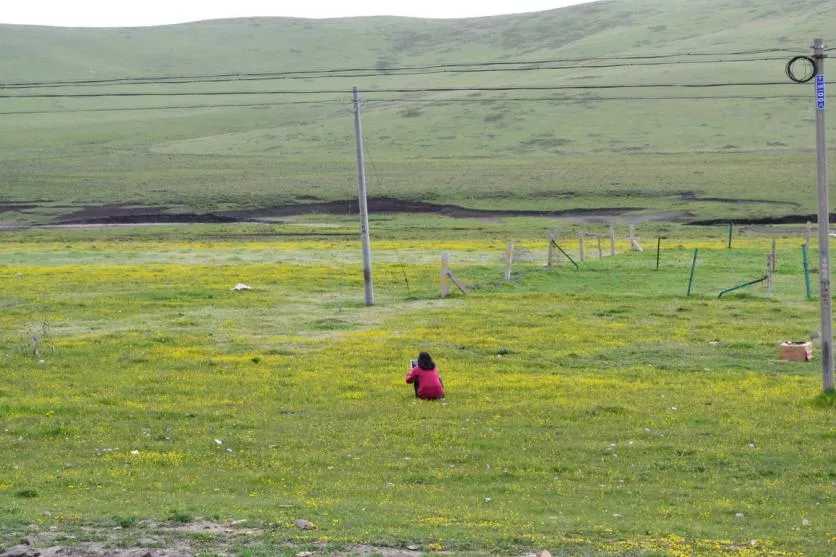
(591, 411)
(591, 148)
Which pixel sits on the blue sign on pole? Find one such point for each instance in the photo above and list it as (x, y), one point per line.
(820, 92)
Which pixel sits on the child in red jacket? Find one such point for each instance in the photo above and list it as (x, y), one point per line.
(424, 377)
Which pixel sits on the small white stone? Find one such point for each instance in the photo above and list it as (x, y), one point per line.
(740, 515)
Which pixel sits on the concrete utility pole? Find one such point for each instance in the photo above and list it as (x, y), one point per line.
(364, 210)
(824, 220)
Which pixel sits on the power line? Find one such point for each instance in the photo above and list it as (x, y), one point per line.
(175, 107)
(436, 101)
(463, 67)
(590, 99)
(406, 90)
(276, 76)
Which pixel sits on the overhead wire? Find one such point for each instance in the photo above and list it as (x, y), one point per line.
(371, 93)
(347, 74)
(462, 66)
(378, 181)
(435, 100)
(148, 108)
(176, 107)
(402, 90)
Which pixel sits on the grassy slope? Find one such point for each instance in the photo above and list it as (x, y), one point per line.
(494, 151)
(591, 412)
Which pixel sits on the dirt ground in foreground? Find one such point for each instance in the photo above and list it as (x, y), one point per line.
(147, 539)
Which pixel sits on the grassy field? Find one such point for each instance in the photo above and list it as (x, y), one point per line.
(243, 144)
(591, 412)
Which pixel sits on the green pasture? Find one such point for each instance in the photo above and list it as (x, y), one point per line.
(242, 144)
(590, 411)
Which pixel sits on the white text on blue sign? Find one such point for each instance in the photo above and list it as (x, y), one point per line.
(820, 92)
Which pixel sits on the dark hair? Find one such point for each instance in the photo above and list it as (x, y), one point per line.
(425, 361)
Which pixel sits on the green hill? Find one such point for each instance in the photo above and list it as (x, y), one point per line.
(573, 136)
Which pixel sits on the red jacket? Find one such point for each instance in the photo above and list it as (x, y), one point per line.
(429, 383)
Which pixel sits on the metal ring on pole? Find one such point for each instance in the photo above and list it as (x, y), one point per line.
(809, 66)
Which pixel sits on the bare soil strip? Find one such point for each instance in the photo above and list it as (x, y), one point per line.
(137, 214)
(148, 539)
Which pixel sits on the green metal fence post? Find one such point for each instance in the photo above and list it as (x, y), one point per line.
(806, 272)
(693, 267)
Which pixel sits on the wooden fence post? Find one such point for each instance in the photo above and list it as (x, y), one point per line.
(634, 244)
(509, 258)
(581, 246)
(551, 250)
(770, 269)
(612, 240)
(445, 275)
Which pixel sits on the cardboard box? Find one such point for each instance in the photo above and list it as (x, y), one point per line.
(797, 351)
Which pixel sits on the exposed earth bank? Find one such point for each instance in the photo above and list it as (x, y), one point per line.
(138, 214)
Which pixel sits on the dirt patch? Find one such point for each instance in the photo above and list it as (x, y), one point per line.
(393, 205)
(787, 219)
(692, 196)
(135, 214)
(16, 207)
(146, 539)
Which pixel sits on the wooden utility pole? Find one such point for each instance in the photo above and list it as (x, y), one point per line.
(364, 211)
(824, 221)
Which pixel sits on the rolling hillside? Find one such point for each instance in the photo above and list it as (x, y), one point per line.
(210, 116)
